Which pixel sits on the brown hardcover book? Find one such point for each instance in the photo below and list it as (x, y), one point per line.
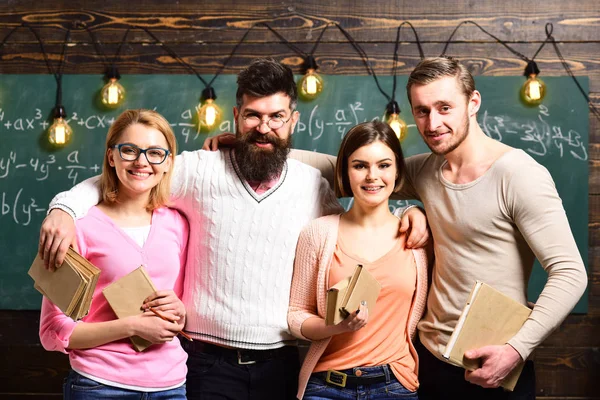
(344, 297)
(126, 297)
(70, 287)
(489, 318)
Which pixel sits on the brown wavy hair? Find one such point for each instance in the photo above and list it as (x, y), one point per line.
(363, 135)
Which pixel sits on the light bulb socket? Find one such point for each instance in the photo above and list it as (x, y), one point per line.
(112, 73)
(208, 93)
(309, 63)
(392, 108)
(60, 112)
(531, 69)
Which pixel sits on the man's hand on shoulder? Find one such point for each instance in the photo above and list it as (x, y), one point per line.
(222, 140)
(496, 363)
(414, 222)
(56, 235)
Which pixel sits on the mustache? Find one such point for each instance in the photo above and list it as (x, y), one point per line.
(256, 137)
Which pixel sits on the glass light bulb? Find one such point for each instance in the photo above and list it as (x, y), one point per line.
(311, 85)
(397, 125)
(209, 114)
(533, 90)
(60, 132)
(112, 93)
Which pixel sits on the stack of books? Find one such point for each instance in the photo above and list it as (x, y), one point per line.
(345, 296)
(70, 287)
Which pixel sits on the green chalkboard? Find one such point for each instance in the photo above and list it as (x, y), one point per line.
(555, 134)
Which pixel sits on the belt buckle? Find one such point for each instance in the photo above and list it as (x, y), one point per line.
(336, 378)
(241, 362)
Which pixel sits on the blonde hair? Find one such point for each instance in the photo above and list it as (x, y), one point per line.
(109, 182)
(434, 68)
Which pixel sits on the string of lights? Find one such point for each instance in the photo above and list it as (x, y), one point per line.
(59, 132)
(309, 86)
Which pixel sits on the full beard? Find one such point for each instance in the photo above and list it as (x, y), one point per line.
(258, 164)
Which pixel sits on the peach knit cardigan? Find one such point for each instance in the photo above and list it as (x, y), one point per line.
(310, 282)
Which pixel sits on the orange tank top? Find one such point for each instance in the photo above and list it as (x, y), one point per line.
(384, 340)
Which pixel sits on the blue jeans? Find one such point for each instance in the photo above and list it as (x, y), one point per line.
(78, 387)
(318, 389)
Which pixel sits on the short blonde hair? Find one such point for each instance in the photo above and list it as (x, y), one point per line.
(434, 68)
(109, 182)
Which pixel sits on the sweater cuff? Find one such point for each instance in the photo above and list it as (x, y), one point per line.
(295, 324)
(64, 208)
(58, 340)
(523, 351)
(400, 214)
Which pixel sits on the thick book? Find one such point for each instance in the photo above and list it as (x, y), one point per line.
(70, 287)
(126, 296)
(345, 296)
(489, 318)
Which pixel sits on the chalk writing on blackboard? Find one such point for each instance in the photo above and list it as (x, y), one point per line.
(539, 135)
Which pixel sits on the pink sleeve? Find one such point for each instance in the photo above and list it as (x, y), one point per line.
(184, 232)
(55, 327)
(303, 294)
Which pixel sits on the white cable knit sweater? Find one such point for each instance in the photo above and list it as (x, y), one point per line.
(242, 246)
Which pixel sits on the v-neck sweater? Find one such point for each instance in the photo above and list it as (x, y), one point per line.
(242, 247)
(112, 250)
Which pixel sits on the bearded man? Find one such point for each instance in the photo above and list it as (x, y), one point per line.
(245, 207)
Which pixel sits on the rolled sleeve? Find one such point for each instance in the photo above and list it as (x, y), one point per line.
(55, 328)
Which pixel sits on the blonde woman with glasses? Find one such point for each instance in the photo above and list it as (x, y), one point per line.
(129, 227)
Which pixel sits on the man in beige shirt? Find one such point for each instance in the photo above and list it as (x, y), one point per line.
(492, 210)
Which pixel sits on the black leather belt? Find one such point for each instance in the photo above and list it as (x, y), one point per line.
(341, 379)
(239, 356)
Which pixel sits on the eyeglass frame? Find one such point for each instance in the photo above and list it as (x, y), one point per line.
(142, 151)
(261, 121)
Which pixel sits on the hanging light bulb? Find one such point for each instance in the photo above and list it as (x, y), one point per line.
(534, 89)
(59, 132)
(113, 93)
(209, 114)
(394, 121)
(311, 84)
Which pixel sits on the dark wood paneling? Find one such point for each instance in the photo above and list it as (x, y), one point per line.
(204, 33)
(302, 20)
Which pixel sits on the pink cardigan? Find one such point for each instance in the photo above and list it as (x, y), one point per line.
(309, 287)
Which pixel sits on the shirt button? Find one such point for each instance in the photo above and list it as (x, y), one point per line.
(358, 373)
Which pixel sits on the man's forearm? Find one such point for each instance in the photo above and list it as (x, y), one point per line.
(79, 199)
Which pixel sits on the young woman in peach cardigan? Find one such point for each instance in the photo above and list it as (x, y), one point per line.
(369, 353)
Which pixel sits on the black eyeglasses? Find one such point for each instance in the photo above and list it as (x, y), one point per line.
(130, 152)
(253, 120)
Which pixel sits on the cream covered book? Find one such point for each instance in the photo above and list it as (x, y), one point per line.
(489, 318)
(126, 296)
(344, 297)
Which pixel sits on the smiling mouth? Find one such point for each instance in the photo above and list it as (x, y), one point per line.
(372, 189)
(140, 174)
(436, 134)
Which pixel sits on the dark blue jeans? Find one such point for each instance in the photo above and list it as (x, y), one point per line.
(440, 380)
(318, 389)
(78, 387)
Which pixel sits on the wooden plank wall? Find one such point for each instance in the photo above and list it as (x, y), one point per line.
(205, 32)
